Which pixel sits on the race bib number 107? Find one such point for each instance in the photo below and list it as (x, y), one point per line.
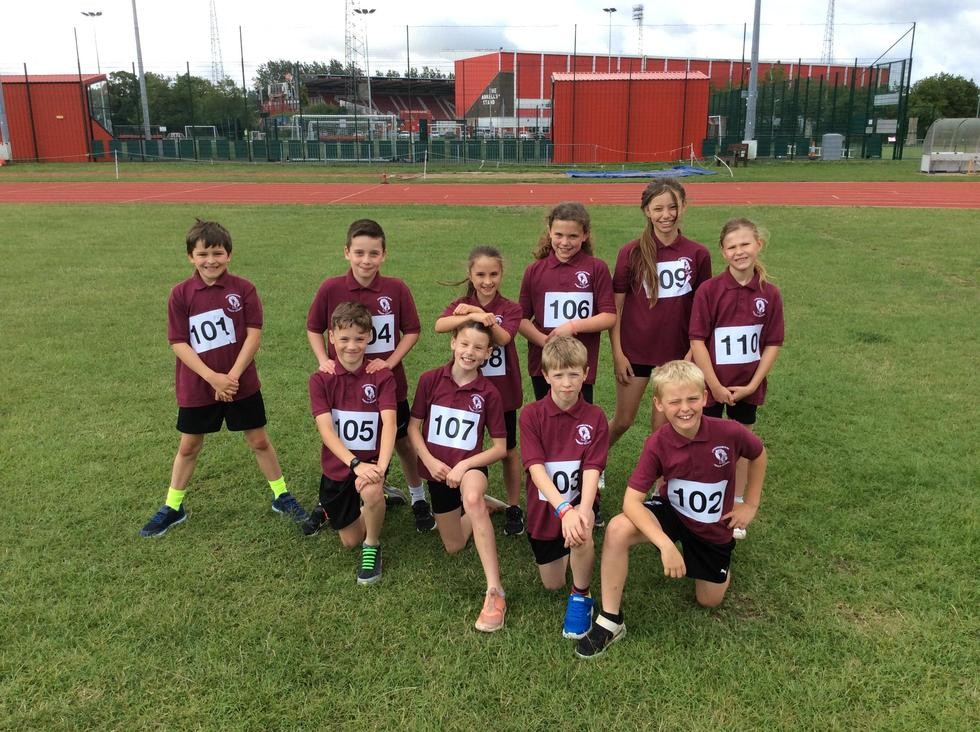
(454, 428)
(210, 330)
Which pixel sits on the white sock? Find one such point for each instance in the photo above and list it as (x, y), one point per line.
(417, 492)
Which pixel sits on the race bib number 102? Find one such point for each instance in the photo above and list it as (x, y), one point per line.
(210, 330)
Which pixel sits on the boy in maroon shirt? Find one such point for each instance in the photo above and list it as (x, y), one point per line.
(564, 445)
(214, 324)
(395, 329)
(355, 413)
(696, 455)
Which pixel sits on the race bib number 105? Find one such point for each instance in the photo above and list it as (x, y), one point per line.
(357, 430)
(210, 330)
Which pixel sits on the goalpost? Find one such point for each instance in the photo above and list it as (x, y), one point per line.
(194, 132)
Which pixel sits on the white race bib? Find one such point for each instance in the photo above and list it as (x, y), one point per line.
(560, 307)
(454, 428)
(737, 344)
(673, 279)
(210, 330)
(699, 501)
(382, 334)
(357, 430)
(496, 364)
(567, 477)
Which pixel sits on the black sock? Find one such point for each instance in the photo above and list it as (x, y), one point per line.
(618, 618)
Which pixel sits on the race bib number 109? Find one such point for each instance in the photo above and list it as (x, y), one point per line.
(210, 330)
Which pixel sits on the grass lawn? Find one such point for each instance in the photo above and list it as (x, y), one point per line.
(854, 599)
(762, 169)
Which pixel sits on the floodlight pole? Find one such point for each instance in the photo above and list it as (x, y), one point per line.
(753, 76)
(367, 56)
(93, 14)
(609, 12)
(139, 61)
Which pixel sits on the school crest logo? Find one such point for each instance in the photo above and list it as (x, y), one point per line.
(384, 304)
(720, 453)
(687, 267)
(759, 306)
(499, 319)
(476, 403)
(234, 302)
(582, 279)
(369, 394)
(583, 434)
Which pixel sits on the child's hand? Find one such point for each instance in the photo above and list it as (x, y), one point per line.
(487, 319)
(224, 384)
(741, 515)
(455, 476)
(574, 527)
(565, 329)
(375, 365)
(437, 469)
(622, 369)
(361, 483)
(328, 366)
(369, 472)
(740, 392)
(464, 309)
(722, 395)
(673, 562)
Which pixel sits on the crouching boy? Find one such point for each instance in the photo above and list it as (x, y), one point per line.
(696, 456)
(355, 413)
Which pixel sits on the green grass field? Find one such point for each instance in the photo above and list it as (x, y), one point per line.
(854, 599)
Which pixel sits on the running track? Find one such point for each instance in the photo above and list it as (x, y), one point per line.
(937, 194)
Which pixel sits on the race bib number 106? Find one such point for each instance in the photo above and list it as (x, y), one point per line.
(210, 330)
(560, 307)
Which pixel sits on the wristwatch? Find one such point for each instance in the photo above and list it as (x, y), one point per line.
(355, 461)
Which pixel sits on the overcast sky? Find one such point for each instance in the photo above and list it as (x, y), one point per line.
(177, 32)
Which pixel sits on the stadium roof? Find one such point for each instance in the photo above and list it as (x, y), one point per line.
(50, 78)
(329, 84)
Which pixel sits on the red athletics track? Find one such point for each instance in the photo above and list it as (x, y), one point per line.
(937, 194)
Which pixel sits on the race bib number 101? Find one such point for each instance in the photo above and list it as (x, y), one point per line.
(210, 330)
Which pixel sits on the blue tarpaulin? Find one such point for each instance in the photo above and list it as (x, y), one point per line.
(678, 171)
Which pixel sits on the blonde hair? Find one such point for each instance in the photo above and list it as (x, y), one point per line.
(742, 223)
(567, 211)
(673, 372)
(563, 352)
(643, 259)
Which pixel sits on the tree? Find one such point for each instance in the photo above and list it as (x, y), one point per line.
(942, 95)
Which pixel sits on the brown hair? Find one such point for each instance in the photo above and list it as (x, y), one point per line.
(366, 227)
(210, 233)
(567, 211)
(643, 259)
(483, 250)
(563, 352)
(742, 223)
(349, 314)
(474, 325)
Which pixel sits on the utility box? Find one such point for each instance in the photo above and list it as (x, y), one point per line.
(832, 146)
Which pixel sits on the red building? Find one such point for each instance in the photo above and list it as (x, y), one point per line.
(648, 117)
(56, 117)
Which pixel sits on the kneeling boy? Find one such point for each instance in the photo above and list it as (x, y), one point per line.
(564, 444)
(355, 413)
(696, 455)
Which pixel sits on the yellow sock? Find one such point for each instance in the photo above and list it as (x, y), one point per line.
(278, 486)
(175, 498)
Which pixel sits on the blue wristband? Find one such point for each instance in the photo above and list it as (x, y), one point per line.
(560, 507)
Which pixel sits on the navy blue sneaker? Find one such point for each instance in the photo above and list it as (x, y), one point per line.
(578, 616)
(290, 507)
(316, 521)
(163, 520)
(369, 572)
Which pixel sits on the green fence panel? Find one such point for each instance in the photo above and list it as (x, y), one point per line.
(508, 150)
(276, 150)
(222, 150)
(763, 147)
(385, 149)
(134, 149)
(170, 151)
(242, 150)
(872, 146)
(457, 150)
(474, 150)
(529, 150)
(437, 150)
(205, 149)
(260, 150)
(294, 149)
(709, 147)
(186, 150)
(312, 150)
(331, 150)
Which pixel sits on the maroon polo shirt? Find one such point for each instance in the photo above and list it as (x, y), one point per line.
(392, 309)
(567, 443)
(736, 323)
(454, 417)
(355, 400)
(502, 368)
(699, 474)
(653, 336)
(554, 292)
(213, 320)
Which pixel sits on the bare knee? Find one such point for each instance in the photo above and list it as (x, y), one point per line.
(553, 584)
(349, 541)
(709, 602)
(258, 441)
(190, 447)
(619, 530)
(373, 495)
(474, 504)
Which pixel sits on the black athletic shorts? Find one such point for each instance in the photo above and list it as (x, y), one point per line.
(241, 415)
(444, 498)
(402, 415)
(547, 551)
(703, 560)
(340, 500)
(739, 411)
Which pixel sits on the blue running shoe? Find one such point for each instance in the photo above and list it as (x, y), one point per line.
(578, 616)
(288, 506)
(163, 520)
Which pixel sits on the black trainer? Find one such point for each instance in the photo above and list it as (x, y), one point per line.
(513, 521)
(603, 633)
(316, 521)
(424, 520)
(163, 520)
(370, 570)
